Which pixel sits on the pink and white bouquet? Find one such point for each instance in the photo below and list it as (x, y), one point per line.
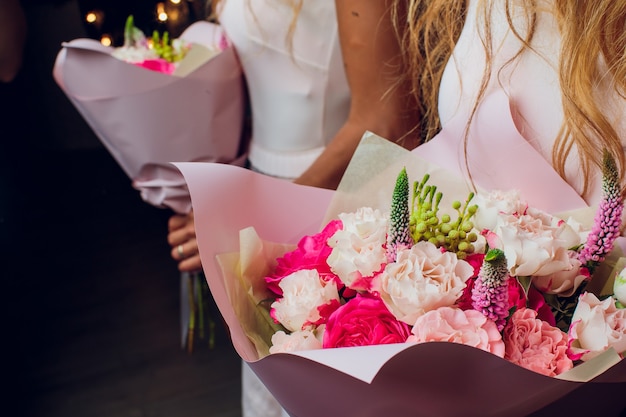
(408, 292)
(156, 53)
(157, 100)
(154, 101)
(488, 275)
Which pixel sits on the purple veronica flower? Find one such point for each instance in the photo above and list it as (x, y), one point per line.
(490, 294)
(608, 218)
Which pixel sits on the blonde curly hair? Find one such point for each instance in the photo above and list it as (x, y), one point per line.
(592, 32)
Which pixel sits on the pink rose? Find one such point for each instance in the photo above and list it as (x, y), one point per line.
(422, 278)
(364, 321)
(158, 64)
(535, 243)
(596, 326)
(566, 281)
(535, 301)
(467, 327)
(536, 345)
(311, 253)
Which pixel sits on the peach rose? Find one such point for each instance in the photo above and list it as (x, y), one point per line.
(596, 326)
(564, 282)
(423, 278)
(450, 324)
(536, 345)
(535, 243)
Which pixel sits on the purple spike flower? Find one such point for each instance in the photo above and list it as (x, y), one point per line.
(608, 218)
(490, 293)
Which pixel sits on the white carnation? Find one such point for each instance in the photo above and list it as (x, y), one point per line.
(303, 292)
(423, 279)
(134, 55)
(299, 340)
(359, 248)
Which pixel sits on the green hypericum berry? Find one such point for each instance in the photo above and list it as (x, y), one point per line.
(426, 224)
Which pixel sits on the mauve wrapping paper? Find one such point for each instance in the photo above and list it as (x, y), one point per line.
(147, 119)
(431, 379)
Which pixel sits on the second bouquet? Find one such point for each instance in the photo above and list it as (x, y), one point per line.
(154, 100)
(148, 110)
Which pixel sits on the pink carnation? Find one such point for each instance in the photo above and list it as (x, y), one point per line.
(364, 321)
(536, 345)
(468, 327)
(311, 253)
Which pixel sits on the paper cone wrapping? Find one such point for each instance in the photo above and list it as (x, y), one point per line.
(244, 220)
(147, 119)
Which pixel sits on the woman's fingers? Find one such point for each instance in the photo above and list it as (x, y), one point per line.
(184, 250)
(182, 238)
(187, 255)
(190, 264)
(177, 221)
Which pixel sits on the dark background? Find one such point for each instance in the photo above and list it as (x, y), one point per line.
(91, 317)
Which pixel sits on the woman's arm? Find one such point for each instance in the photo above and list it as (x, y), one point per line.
(373, 65)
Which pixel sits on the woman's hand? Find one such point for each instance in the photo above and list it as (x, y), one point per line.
(182, 238)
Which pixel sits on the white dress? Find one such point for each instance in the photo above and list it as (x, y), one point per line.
(299, 99)
(531, 84)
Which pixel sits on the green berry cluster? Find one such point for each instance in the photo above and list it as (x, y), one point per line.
(162, 45)
(427, 225)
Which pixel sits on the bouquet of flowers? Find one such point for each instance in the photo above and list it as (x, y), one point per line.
(416, 297)
(158, 53)
(155, 100)
(498, 275)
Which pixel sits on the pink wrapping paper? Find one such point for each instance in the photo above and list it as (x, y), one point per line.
(500, 158)
(431, 379)
(147, 119)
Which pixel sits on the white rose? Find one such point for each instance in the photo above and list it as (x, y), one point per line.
(494, 203)
(535, 243)
(303, 292)
(422, 279)
(134, 55)
(563, 282)
(596, 326)
(619, 287)
(359, 247)
(298, 340)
